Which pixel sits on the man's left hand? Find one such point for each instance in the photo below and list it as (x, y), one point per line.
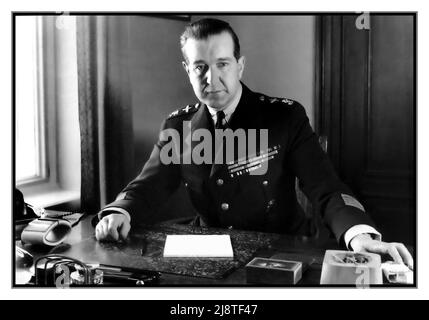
(399, 253)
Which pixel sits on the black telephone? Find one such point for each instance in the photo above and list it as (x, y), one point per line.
(22, 212)
(35, 227)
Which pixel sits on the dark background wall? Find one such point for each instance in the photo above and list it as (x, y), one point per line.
(158, 82)
(368, 113)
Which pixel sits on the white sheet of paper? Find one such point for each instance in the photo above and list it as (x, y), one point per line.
(201, 245)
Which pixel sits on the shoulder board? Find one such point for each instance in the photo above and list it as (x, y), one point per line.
(268, 99)
(190, 108)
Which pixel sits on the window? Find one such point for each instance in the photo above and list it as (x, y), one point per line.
(31, 161)
(47, 138)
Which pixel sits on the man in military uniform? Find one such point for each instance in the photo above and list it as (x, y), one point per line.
(230, 194)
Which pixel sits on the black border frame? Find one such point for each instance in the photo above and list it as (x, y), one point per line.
(186, 16)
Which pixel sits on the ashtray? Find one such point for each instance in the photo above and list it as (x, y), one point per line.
(351, 268)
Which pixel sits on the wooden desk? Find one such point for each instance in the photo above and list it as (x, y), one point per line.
(81, 244)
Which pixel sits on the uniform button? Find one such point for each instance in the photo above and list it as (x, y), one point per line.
(186, 184)
(265, 183)
(224, 206)
(230, 227)
(219, 182)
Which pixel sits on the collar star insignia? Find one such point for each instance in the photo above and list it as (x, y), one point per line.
(289, 102)
(188, 109)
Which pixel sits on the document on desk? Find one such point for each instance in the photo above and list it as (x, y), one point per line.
(198, 246)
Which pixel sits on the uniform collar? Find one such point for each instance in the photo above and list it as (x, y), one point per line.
(246, 113)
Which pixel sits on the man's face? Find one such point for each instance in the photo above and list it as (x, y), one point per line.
(213, 70)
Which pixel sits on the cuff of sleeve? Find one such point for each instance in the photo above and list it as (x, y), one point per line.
(359, 229)
(119, 210)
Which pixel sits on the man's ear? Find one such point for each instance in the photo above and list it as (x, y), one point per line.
(185, 66)
(241, 62)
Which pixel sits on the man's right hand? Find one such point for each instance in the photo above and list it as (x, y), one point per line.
(114, 227)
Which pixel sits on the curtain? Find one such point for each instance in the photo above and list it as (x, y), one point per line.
(105, 114)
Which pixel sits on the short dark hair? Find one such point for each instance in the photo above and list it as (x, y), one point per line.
(204, 28)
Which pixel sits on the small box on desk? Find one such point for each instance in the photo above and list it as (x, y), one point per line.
(273, 271)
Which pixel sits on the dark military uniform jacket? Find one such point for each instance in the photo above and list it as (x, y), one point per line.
(226, 198)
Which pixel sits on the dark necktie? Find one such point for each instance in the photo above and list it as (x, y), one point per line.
(220, 119)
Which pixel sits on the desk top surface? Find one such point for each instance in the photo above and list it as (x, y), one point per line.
(81, 244)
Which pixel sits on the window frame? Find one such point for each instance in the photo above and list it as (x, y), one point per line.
(53, 188)
(42, 174)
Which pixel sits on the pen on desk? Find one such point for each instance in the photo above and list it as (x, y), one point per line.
(124, 270)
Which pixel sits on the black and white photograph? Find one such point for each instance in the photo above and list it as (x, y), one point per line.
(285, 137)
